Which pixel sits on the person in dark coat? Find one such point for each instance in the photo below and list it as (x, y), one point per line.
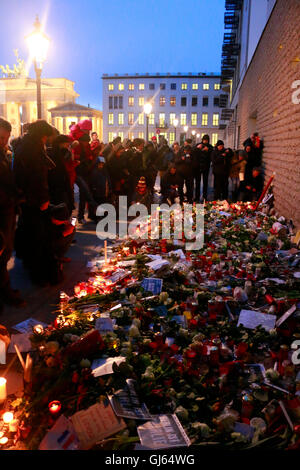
(221, 159)
(8, 201)
(60, 189)
(100, 183)
(254, 159)
(118, 170)
(184, 166)
(31, 167)
(254, 185)
(201, 164)
(170, 184)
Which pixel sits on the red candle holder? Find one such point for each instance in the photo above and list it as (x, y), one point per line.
(54, 408)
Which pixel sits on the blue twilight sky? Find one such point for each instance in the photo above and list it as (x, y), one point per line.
(92, 37)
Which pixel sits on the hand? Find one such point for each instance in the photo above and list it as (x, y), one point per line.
(44, 206)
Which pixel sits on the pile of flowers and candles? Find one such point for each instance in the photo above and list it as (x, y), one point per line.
(207, 336)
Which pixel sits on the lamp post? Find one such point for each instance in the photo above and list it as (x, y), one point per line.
(38, 44)
(147, 111)
(175, 124)
(185, 131)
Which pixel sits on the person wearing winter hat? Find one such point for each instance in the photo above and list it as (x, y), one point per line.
(201, 165)
(142, 194)
(221, 158)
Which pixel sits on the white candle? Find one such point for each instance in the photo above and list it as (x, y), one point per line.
(13, 425)
(7, 417)
(2, 389)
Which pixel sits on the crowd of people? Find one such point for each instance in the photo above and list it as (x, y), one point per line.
(39, 171)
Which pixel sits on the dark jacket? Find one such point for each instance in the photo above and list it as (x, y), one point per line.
(184, 165)
(221, 161)
(254, 159)
(7, 188)
(169, 180)
(256, 186)
(202, 156)
(58, 179)
(100, 184)
(31, 166)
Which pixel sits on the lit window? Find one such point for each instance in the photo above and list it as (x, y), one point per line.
(205, 86)
(131, 101)
(111, 136)
(141, 101)
(195, 86)
(183, 119)
(111, 119)
(204, 119)
(215, 119)
(121, 119)
(162, 118)
(141, 86)
(194, 119)
(130, 135)
(141, 135)
(141, 118)
(151, 134)
(217, 86)
(172, 117)
(214, 139)
(184, 86)
(162, 100)
(121, 86)
(130, 119)
(110, 86)
(173, 101)
(131, 86)
(151, 119)
(171, 138)
(121, 134)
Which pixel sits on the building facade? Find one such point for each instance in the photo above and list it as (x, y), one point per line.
(18, 99)
(63, 116)
(269, 102)
(244, 22)
(192, 99)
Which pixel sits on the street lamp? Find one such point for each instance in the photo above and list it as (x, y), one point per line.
(175, 124)
(193, 134)
(147, 111)
(38, 44)
(185, 130)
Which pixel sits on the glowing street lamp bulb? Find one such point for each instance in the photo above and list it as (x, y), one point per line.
(175, 122)
(186, 128)
(38, 43)
(198, 135)
(7, 417)
(193, 132)
(147, 108)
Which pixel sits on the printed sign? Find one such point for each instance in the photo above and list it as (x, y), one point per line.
(126, 403)
(164, 432)
(105, 366)
(61, 436)
(152, 284)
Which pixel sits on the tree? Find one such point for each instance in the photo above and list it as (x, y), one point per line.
(18, 71)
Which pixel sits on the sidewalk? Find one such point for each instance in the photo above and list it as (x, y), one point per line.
(41, 302)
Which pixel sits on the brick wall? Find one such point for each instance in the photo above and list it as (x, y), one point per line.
(266, 95)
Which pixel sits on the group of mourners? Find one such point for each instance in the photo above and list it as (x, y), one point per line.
(39, 170)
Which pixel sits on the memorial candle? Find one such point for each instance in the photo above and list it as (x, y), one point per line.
(2, 389)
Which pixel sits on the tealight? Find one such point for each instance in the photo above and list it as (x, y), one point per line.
(38, 329)
(54, 407)
(7, 417)
(3, 440)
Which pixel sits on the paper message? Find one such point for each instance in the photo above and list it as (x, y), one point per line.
(251, 319)
(152, 284)
(61, 436)
(95, 424)
(105, 366)
(164, 432)
(126, 403)
(27, 325)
